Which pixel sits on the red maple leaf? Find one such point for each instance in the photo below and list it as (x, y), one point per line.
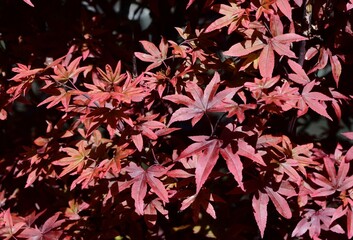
(260, 85)
(114, 164)
(145, 125)
(86, 177)
(313, 100)
(75, 207)
(151, 209)
(278, 42)
(64, 72)
(260, 202)
(112, 77)
(25, 76)
(141, 178)
(345, 210)
(336, 181)
(314, 221)
(283, 96)
(283, 6)
(324, 56)
(114, 118)
(24, 71)
(32, 217)
(233, 16)
(293, 159)
(123, 88)
(200, 200)
(156, 56)
(130, 91)
(208, 154)
(47, 231)
(59, 95)
(10, 229)
(208, 151)
(299, 76)
(160, 80)
(201, 101)
(75, 161)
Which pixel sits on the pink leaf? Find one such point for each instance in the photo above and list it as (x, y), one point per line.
(232, 16)
(336, 68)
(310, 53)
(51, 223)
(139, 184)
(248, 151)
(349, 223)
(280, 203)
(205, 164)
(138, 193)
(318, 107)
(138, 141)
(267, 61)
(288, 38)
(202, 102)
(349, 154)
(211, 89)
(259, 205)
(195, 148)
(234, 164)
(312, 100)
(29, 2)
(210, 210)
(348, 135)
(219, 23)
(300, 76)
(301, 228)
(242, 49)
(285, 8)
(178, 173)
(339, 212)
(183, 114)
(268, 140)
(31, 233)
(276, 25)
(299, 2)
(31, 178)
(156, 56)
(323, 58)
(283, 49)
(187, 202)
(155, 184)
(150, 48)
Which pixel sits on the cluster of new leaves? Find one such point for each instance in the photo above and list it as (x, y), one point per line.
(200, 114)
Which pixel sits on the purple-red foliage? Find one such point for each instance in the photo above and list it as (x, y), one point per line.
(202, 126)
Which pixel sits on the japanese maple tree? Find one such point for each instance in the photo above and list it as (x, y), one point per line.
(196, 119)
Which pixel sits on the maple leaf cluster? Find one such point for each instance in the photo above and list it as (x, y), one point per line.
(191, 134)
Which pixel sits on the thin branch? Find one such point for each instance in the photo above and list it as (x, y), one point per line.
(154, 155)
(210, 122)
(306, 20)
(218, 120)
(134, 67)
(73, 88)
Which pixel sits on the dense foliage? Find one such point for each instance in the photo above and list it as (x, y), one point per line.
(176, 119)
